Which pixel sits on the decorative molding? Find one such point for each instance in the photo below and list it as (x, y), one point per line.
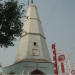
(32, 6)
(34, 34)
(36, 51)
(23, 33)
(28, 62)
(34, 19)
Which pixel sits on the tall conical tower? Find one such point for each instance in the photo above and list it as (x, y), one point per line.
(32, 45)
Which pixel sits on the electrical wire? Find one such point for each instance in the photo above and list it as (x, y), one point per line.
(72, 51)
(50, 15)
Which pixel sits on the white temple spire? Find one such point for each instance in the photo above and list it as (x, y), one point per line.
(32, 33)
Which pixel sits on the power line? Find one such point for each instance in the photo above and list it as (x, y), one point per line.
(72, 52)
(50, 15)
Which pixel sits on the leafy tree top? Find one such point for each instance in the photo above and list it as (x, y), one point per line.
(10, 22)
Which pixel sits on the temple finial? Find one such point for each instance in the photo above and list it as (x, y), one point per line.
(31, 1)
(28, 2)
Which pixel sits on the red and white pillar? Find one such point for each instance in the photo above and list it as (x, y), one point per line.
(54, 59)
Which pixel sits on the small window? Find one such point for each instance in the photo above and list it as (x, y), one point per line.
(35, 43)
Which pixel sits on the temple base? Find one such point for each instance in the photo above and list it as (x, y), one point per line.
(29, 67)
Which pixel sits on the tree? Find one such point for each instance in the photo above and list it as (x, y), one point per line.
(10, 22)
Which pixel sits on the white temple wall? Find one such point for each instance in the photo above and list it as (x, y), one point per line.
(45, 49)
(32, 39)
(22, 50)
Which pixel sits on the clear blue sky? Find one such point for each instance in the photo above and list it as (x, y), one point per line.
(60, 28)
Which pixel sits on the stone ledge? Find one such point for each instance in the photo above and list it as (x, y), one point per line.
(33, 34)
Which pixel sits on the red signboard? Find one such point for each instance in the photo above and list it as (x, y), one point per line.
(53, 46)
(54, 59)
(61, 58)
(73, 72)
(62, 67)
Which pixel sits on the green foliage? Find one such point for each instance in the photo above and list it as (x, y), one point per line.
(10, 22)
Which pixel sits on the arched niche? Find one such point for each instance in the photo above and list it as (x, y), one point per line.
(37, 71)
(12, 73)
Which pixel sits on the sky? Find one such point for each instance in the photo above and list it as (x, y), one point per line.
(58, 22)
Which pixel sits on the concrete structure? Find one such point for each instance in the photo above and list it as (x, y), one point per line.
(32, 32)
(33, 54)
(44, 67)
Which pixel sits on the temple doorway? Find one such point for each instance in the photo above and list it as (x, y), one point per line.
(38, 72)
(12, 73)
